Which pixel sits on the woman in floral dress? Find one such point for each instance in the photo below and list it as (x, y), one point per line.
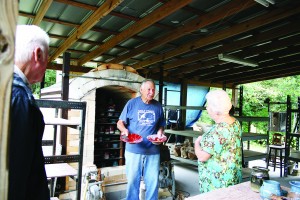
(219, 151)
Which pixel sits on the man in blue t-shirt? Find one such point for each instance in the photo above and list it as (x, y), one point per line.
(144, 116)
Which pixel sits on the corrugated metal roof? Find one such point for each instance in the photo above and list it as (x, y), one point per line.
(182, 37)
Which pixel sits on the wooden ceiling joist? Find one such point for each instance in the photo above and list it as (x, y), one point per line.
(202, 66)
(255, 39)
(42, 11)
(203, 20)
(158, 14)
(274, 15)
(102, 11)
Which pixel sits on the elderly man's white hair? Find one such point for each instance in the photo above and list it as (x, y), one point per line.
(219, 101)
(28, 37)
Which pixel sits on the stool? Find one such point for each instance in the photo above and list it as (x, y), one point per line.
(275, 149)
(276, 146)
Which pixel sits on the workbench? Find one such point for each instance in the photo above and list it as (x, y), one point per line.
(239, 191)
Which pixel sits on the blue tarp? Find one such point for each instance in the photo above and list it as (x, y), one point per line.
(195, 97)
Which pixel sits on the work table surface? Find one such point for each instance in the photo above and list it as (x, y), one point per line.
(239, 191)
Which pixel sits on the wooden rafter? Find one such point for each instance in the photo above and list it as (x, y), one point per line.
(42, 11)
(200, 22)
(113, 13)
(102, 11)
(255, 39)
(147, 21)
(275, 15)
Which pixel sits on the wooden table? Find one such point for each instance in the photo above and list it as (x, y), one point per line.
(239, 191)
(58, 170)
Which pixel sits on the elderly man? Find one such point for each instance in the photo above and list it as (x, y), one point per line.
(27, 176)
(142, 115)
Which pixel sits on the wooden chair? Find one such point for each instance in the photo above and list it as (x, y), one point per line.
(276, 145)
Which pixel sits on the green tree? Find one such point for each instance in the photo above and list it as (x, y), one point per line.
(50, 79)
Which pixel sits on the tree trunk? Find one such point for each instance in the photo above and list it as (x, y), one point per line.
(8, 16)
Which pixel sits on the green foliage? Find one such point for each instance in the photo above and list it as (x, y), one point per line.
(277, 90)
(50, 79)
(255, 95)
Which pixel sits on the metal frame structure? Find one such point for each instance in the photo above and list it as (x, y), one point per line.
(68, 158)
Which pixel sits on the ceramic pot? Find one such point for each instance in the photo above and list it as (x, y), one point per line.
(258, 174)
(270, 188)
(295, 190)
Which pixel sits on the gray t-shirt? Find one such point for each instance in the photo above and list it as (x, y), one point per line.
(143, 119)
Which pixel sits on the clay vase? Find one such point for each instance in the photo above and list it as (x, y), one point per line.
(295, 190)
(258, 174)
(270, 188)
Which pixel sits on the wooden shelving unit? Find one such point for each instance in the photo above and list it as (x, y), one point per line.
(108, 148)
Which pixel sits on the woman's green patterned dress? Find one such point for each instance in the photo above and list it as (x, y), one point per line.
(224, 168)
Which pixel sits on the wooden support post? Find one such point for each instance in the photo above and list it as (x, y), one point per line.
(8, 16)
(183, 101)
(65, 96)
(64, 112)
(161, 85)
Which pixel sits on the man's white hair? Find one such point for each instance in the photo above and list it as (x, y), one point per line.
(28, 37)
(219, 102)
(145, 81)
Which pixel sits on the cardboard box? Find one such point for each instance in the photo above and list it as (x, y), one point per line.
(114, 178)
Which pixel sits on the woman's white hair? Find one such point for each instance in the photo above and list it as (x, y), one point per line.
(28, 37)
(219, 102)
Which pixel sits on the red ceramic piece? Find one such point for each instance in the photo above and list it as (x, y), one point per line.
(155, 139)
(132, 138)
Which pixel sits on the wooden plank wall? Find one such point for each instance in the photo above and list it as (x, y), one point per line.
(8, 16)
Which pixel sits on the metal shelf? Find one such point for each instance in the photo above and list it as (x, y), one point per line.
(188, 133)
(245, 171)
(253, 155)
(295, 156)
(246, 136)
(252, 119)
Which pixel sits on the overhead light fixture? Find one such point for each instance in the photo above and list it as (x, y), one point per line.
(234, 59)
(263, 2)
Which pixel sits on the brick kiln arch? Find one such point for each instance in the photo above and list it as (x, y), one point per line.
(82, 86)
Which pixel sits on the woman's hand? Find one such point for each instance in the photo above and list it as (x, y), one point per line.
(201, 155)
(198, 140)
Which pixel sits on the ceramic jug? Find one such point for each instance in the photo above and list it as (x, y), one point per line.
(295, 190)
(258, 174)
(269, 188)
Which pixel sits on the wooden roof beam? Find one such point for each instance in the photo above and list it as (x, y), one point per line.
(202, 70)
(232, 7)
(145, 22)
(100, 30)
(212, 72)
(256, 39)
(102, 11)
(278, 14)
(280, 71)
(113, 13)
(42, 11)
(276, 64)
